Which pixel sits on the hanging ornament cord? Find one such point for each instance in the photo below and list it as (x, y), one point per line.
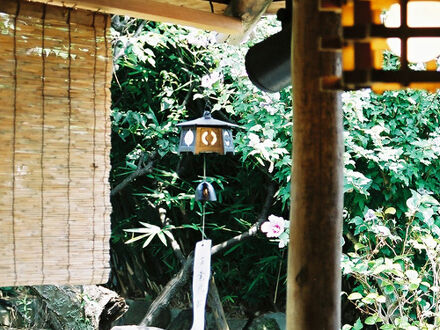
(204, 203)
(278, 278)
(201, 271)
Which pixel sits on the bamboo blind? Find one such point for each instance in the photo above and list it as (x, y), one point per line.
(55, 70)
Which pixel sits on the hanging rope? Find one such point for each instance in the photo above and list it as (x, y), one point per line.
(92, 279)
(204, 203)
(14, 142)
(275, 295)
(42, 150)
(69, 140)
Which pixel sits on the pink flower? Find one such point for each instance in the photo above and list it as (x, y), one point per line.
(274, 227)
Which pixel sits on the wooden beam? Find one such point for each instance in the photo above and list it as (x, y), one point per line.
(203, 5)
(274, 7)
(249, 11)
(157, 11)
(314, 274)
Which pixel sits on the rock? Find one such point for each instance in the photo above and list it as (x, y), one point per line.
(279, 317)
(264, 322)
(136, 312)
(137, 308)
(5, 318)
(103, 306)
(236, 323)
(182, 321)
(76, 307)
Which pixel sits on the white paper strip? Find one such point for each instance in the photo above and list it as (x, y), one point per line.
(201, 276)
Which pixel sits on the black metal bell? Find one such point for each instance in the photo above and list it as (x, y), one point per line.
(267, 71)
(205, 192)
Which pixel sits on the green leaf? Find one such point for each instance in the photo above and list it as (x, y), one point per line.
(168, 233)
(232, 249)
(148, 240)
(370, 320)
(162, 238)
(389, 289)
(354, 296)
(358, 325)
(134, 239)
(412, 275)
(390, 210)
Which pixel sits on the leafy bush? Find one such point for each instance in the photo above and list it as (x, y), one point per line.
(391, 224)
(165, 75)
(391, 208)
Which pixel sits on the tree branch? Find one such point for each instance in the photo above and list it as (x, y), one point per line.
(174, 245)
(254, 228)
(141, 170)
(121, 51)
(169, 291)
(215, 303)
(181, 278)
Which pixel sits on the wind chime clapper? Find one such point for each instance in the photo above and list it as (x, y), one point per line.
(205, 192)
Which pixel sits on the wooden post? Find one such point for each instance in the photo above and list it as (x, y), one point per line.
(313, 294)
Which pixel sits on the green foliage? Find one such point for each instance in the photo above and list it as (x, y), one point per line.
(391, 223)
(391, 208)
(165, 75)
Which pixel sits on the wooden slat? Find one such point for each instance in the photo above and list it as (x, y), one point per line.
(157, 11)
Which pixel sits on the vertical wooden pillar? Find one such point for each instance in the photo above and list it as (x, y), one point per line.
(314, 277)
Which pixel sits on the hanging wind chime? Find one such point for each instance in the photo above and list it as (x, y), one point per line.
(201, 136)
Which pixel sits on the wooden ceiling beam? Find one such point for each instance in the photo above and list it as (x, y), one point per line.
(249, 11)
(274, 7)
(203, 5)
(157, 11)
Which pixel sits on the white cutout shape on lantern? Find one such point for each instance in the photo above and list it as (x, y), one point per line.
(205, 141)
(189, 138)
(227, 139)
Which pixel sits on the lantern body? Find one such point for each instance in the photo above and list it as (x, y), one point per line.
(206, 135)
(209, 140)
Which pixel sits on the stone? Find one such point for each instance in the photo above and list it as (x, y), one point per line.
(137, 308)
(264, 323)
(279, 317)
(5, 318)
(182, 321)
(236, 323)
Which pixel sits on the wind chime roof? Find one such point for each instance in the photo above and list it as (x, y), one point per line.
(207, 121)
